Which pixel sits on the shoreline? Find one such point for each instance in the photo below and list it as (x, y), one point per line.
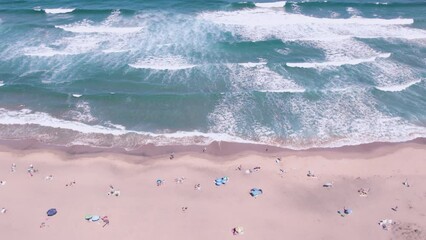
(213, 150)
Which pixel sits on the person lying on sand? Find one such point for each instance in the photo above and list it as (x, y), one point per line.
(406, 183)
(363, 192)
(70, 184)
(311, 174)
(180, 180)
(13, 168)
(31, 170)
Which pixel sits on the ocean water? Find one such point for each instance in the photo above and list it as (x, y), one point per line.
(295, 74)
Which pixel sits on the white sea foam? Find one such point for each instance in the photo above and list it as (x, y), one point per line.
(163, 63)
(270, 18)
(46, 52)
(252, 64)
(58, 10)
(259, 77)
(65, 46)
(278, 4)
(115, 50)
(287, 90)
(398, 88)
(337, 63)
(81, 113)
(353, 11)
(100, 29)
(393, 76)
(336, 126)
(1, 83)
(26, 116)
(76, 95)
(263, 24)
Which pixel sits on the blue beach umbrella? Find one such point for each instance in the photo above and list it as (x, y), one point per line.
(254, 192)
(51, 212)
(221, 181)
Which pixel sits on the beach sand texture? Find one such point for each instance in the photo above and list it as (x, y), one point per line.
(292, 206)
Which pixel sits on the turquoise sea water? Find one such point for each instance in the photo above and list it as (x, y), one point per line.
(295, 74)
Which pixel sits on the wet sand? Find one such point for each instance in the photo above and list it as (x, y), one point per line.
(292, 206)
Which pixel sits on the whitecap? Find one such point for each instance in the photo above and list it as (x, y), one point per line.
(399, 87)
(76, 95)
(252, 64)
(248, 77)
(27, 116)
(264, 24)
(278, 4)
(288, 90)
(115, 50)
(100, 29)
(58, 10)
(1, 83)
(163, 63)
(337, 63)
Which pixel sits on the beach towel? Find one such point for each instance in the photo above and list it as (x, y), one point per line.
(51, 212)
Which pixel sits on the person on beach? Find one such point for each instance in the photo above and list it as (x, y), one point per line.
(105, 220)
(31, 170)
(406, 183)
(70, 184)
(13, 168)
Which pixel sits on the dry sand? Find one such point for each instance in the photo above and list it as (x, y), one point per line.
(292, 206)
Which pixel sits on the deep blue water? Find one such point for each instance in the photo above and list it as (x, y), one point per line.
(296, 74)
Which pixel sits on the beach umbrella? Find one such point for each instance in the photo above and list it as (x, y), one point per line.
(95, 218)
(254, 192)
(51, 212)
(88, 217)
(218, 182)
(221, 181)
(238, 230)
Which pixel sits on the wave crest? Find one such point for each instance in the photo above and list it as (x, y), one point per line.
(57, 10)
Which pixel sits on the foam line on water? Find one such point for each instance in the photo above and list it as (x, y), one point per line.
(252, 64)
(398, 87)
(278, 4)
(163, 63)
(65, 46)
(264, 24)
(27, 116)
(337, 63)
(100, 29)
(259, 77)
(269, 18)
(58, 10)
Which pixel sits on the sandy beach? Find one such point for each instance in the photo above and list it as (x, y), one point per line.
(384, 182)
